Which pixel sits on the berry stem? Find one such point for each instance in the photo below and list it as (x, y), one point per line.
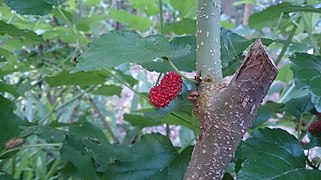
(178, 71)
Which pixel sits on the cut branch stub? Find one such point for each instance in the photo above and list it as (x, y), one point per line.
(226, 111)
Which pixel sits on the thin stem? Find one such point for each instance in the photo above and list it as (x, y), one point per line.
(286, 46)
(72, 28)
(103, 120)
(312, 39)
(287, 93)
(178, 71)
(161, 16)
(277, 25)
(168, 131)
(30, 146)
(66, 103)
(158, 78)
(53, 168)
(299, 128)
(127, 85)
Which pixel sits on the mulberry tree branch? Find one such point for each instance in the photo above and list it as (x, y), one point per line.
(208, 53)
(226, 111)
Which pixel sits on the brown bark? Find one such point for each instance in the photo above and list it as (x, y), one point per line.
(226, 112)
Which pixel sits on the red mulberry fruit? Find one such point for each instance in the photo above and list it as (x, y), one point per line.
(168, 89)
(315, 128)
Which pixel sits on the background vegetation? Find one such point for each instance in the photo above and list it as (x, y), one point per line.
(74, 80)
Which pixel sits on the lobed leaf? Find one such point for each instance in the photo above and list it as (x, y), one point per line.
(273, 154)
(88, 154)
(307, 75)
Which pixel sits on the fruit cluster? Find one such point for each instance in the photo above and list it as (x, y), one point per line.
(168, 89)
(315, 127)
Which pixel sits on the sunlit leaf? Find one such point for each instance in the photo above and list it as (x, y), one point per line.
(185, 8)
(80, 78)
(11, 30)
(184, 26)
(118, 47)
(36, 7)
(271, 15)
(135, 21)
(108, 90)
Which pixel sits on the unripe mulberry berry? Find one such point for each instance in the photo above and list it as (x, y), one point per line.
(168, 89)
(315, 128)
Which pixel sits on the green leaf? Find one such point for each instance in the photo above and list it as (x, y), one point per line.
(178, 112)
(150, 7)
(8, 88)
(232, 46)
(285, 74)
(9, 122)
(35, 7)
(273, 154)
(74, 151)
(86, 129)
(47, 133)
(307, 75)
(178, 118)
(186, 9)
(86, 150)
(266, 112)
(128, 78)
(177, 167)
(79, 78)
(135, 21)
(270, 15)
(5, 176)
(184, 26)
(298, 106)
(4, 54)
(183, 63)
(11, 30)
(154, 157)
(108, 90)
(118, 47)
